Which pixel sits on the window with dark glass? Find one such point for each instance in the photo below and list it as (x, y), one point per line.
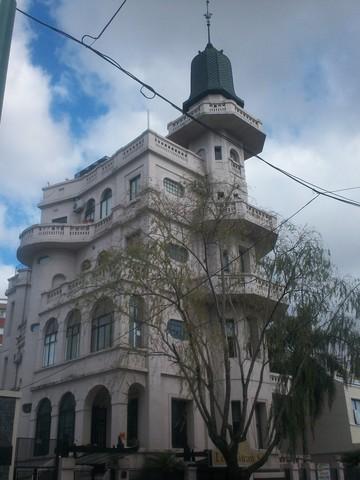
(59, 220)
(225, 261)
(136, 318)
(132, 421)
(176, 329)
(236, 415)
(177, 252)
(261, 424)
(42, 429)
(218, 152)
(179, 420)
(73, 335)
(356, 410)
(105, 203)
(102, 326)
(50, 342)
(231, 337)
(66, 422)
(235, 161)
(171, 186)
(135, 187)
(90, 210)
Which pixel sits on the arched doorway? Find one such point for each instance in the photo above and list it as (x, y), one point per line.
(43, 426)
(135, 416)
(66, 423)
(101, 418)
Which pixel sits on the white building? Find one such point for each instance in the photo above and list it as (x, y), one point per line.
(83, 378)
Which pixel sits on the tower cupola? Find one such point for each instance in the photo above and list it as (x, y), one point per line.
(211, 73)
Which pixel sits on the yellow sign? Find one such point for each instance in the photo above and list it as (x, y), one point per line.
(246, 456)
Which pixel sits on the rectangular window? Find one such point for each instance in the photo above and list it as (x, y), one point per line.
(59, 220)
(254, 338)
(225, 261)
(356, 410)
(243, 260)
(179, 420)
(236, 415)
(218, 152)
(231, 338)
(135, 187)
(261, 424)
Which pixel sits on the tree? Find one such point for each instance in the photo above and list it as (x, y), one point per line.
(271, 304)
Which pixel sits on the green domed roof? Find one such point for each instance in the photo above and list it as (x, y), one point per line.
(211, 72)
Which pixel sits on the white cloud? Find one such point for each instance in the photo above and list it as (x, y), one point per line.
(6, 271)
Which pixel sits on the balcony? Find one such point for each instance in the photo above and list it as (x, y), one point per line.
(37, 237)
(219, 115)
(248, 285)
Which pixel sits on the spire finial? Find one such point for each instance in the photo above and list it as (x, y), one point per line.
(208, 16)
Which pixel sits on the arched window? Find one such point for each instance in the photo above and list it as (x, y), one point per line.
(58, 280)
(102, 325)
(90, 210)
(50, 342)
(105, 203)
(171, 186)
(66, 423)
(43, 426)
(177, 252)
(136, 320)
(73, 335)
(235, 161)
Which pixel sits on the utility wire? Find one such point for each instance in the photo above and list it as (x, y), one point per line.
(311, 186)
(188, 292)
(103, 30)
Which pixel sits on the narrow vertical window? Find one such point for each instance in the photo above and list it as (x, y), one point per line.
(231, 337)
(261, 424)
(50, 343)
(356, 410)
(136, 309)
(73, 335)
(225, 261)
(135, 187)
(105, 203)
(218, 152)
(43, 426)
(236, 415)
(102, 326)
(179, 420)
(90, 211)
(66, 422)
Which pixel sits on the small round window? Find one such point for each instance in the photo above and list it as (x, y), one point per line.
(177, 252)
(176, 329)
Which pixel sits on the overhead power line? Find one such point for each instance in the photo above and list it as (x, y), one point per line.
(305, 183)
(105, 27)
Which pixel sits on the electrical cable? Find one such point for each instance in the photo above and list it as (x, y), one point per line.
(311, 186)
(188, 292)
(103, 30)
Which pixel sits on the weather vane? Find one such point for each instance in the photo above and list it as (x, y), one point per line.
(208, 16)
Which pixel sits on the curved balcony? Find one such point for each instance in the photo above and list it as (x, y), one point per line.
(248, 285)
(38, 237)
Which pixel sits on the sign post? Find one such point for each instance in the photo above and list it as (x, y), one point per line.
(7, 15)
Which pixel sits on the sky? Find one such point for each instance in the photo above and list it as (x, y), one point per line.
(296, 65)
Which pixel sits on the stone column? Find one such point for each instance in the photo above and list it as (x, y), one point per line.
(311, 470)
(118, 422)
(340, 471)
(66, 468)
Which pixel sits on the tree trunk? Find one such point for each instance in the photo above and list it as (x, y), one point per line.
(234, 472)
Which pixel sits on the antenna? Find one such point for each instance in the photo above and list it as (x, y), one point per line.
(208, 16)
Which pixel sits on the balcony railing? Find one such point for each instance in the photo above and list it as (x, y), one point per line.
(241, 210)
(247, 284)
(213, 107)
